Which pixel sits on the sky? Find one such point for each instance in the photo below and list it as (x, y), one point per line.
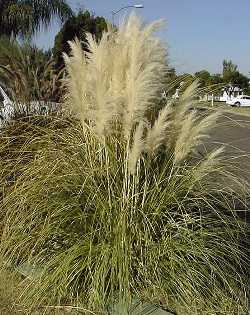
(199, 34)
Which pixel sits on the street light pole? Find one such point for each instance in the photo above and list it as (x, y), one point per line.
(136, 6)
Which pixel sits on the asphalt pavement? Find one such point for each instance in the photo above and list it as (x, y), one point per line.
(233, 132)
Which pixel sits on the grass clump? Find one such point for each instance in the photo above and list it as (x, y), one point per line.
(9, 292)
(118, 205)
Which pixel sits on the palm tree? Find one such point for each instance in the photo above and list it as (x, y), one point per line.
(22, 17)
(28, 75)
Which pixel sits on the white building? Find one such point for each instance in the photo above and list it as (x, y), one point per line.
(227, 93)
(230, 92)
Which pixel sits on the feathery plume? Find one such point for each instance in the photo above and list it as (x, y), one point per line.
(157, 134)
(192, 133)
(208, 164)
(187, 99)
(121, 77)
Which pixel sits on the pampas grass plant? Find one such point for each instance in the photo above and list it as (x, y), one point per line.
(118, 206)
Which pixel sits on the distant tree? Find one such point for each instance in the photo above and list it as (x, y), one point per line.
(216, 79)
(240, 80)
(22, 17)
(228, 65)
(233, 77)
(77, 26)
(204, 77)
(229, 69)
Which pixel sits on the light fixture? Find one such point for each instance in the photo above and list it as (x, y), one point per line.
(136, 6)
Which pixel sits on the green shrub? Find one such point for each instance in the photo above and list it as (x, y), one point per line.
(118, 205)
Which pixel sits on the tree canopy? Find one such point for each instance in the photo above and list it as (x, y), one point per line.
(230, 76)
(228, 69)
(22, 17)
(204, 77)
(77, 26)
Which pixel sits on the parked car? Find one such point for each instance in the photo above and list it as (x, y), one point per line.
(242, 100)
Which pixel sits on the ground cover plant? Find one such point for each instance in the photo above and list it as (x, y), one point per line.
(118, 205)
